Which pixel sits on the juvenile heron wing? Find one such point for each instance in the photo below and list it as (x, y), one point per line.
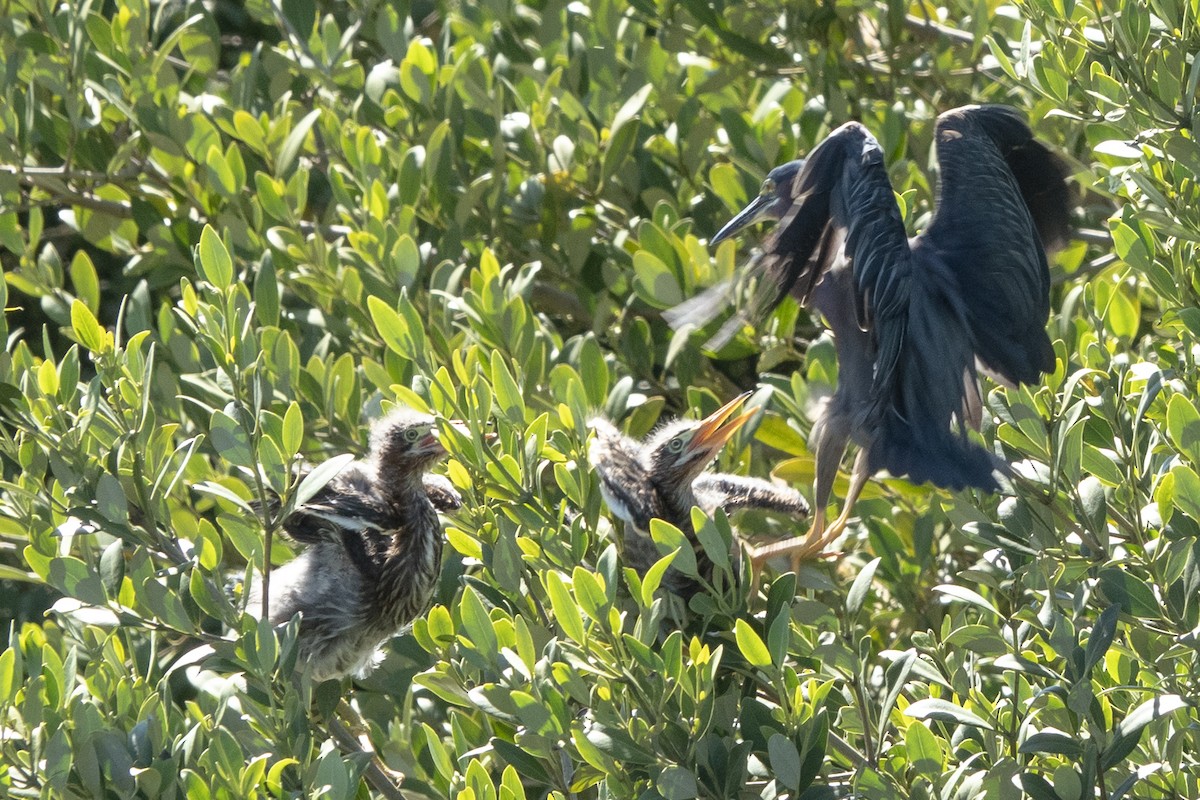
(1002, 203)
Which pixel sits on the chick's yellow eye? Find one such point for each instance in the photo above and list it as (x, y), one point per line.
(768, 187)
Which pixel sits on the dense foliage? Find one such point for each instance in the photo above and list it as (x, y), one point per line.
(232, 234)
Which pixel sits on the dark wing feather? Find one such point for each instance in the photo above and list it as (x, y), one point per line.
(993, 176)
(923, 428)
(843, 196)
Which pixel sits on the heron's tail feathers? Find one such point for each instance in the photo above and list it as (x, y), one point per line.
(944, 458)
(928, 405)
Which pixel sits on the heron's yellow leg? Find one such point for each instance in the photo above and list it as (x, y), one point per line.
(820, 535)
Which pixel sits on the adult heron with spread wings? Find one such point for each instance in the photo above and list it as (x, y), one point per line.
(913, 318)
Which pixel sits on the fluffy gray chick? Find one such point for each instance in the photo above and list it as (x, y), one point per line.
(373, 550)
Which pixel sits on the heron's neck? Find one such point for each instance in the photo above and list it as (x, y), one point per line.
(403, 491)
(678, 502)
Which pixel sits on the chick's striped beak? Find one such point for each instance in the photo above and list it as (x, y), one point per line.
(719, 427)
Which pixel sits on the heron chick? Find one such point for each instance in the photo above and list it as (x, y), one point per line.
(912, 319)
(664, 476)
(373, 550)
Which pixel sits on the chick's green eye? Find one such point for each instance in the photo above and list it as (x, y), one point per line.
(412, 434)
(676, 445)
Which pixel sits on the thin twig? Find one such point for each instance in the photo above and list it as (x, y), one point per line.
(1093, 267)
(846, 749)
(1092, 236)
(375, 773)
(920, 25)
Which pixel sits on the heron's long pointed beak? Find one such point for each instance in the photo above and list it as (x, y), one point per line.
(760, 208)
(719, 427)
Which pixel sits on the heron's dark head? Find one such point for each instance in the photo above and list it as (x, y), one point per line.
(773, 201)
(404, 443)
(680, 451)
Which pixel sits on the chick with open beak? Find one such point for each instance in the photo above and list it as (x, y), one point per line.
(664, 476)
(373, 550)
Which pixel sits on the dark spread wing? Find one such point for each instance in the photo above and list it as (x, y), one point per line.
(923, 360)
(842, 195)
(331, 514)
(1002, 201)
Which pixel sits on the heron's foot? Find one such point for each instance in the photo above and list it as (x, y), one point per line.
(811, 547)
(815, 546)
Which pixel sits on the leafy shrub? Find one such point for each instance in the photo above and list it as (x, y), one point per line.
(231, 234)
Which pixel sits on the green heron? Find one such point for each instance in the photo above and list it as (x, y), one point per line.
(373, 549)
(663, 477)
(913, 319)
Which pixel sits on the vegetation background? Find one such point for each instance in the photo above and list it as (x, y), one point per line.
(231, 232)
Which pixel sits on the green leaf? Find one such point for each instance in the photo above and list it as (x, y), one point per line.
(322, 474)
(230, 439)
(84, 280)
(945, 711)
(1052, 742)
(9, 677)
(1131, 247)
(785, 760)
(1185, 486)
(110, 499)
(1183, 426)
(590, 593)
(266, 292)
(751, 645)
(566, 612)
(897, 674)
(653, 577)
(220, 176)
(401, 329)
(10, 233)
(508, 394)
(1038, 787)
(967, 596)
(1127, 733)
(294, 141)
(667, 537)
(293, 429)
(924, 753)
(1129, 592)
(213, 261)
(677, 783)
(593, 371)
(270, 196)
(1103, 633)
(477, 624)
(858, 590)
(87, 330)
(655, 283)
